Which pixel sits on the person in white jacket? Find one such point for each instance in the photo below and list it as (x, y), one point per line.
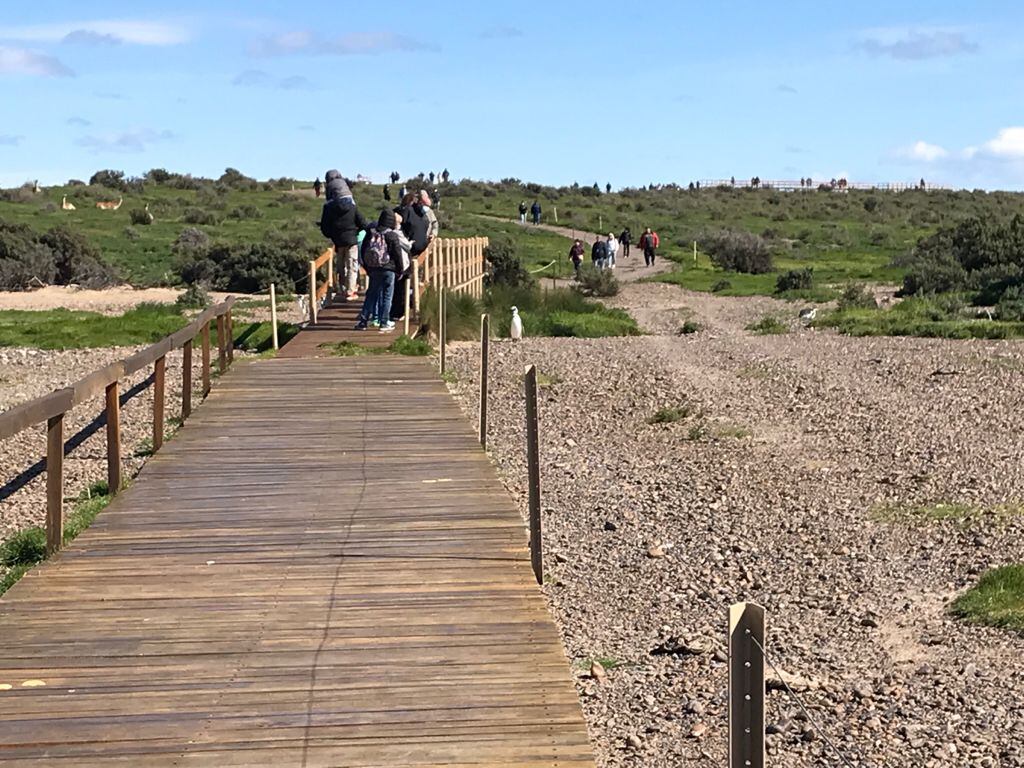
(613, 249)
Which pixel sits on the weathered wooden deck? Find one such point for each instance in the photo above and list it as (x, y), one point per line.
(321, 569)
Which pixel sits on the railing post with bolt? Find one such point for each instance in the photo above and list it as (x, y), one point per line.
(533, 473)
(485, 340)
(442, 332)
(746, 686)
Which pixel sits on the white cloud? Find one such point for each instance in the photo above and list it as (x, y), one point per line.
(916, 43)
(353, 44)
(105, 30)
(19, 61)
(128, 141)
(923, 151)
(1008, 144)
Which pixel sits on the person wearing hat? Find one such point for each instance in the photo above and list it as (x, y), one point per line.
(384, 254)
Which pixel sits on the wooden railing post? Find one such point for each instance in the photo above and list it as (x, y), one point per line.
(533, 473)
(113, 438)
(230, 323)
(54, 483)
(406, 309)
(159, 380)
(442, 332)
(485, 340)
(273, 314)
(416, 287)
(206, 359)
(186, 380)
(330, 271)
(312, 292)
(222, 354)
(746, 686)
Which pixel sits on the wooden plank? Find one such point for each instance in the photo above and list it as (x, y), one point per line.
(186, 380)
(206, 358)
(231, 608)
(96, 383)
(159, 380)
(113, 414)
(54, 483)
(33, 412)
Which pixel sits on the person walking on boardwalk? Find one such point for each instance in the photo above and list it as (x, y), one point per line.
(649, 245)
(599, 252)
(576, 256)
(612, 246)
(535, 211)
(341, 223)
(385, 253)
(625, 238)
(419, 225)
(522, 212)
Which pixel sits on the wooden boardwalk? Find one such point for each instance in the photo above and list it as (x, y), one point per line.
(336, 323)
(321, 569)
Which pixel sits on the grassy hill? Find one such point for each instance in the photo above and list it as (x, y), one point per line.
(842, 236)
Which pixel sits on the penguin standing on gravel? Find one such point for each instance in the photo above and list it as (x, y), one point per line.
(516, 331)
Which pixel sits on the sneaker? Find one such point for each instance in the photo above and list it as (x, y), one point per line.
(352, 295)
(387, 328)
(375, 323)
(360, 326)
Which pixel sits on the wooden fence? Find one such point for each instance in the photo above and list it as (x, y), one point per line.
(794, 185)
(53, 407)
(455, 264)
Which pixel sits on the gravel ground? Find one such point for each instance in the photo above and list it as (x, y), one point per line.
(28, 373)
(771, 490)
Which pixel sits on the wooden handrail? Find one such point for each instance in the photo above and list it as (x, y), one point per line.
(51, 408)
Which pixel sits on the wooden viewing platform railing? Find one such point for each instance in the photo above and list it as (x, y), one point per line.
(457, 265)
(53, 407)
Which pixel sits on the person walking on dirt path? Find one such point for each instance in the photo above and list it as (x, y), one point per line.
(612, 245)
(599, 253)
(535, 211)
(385, 252)
(648, 244)
(625, 238)
(341, 222)
(387, 193)
(317, 186)
(576, 256)
(522, 212)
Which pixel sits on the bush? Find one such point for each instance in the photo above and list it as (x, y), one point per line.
(856, 296)
(735, 251)
(24, 261)
(795, 280)
(190, 241)
(26, 547)
(245, 212)
(76, 260)
(199, 216)
(110, 179)
(140, 217)
(597, 282)
(195, 296)
(131, 233)
(506, 267)
(870, 204)
(1011, 304)
(690, 326)
(768, 326)
(721, 285)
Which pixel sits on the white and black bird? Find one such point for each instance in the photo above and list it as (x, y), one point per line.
(808, 315)
(516, 331)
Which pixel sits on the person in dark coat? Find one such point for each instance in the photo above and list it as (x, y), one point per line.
(576, 256)
(387, 193)
(625, 239)
(341, 222)
(420, 226)
(599, 253)
(382, 267)
(535, 212)
(317, 187)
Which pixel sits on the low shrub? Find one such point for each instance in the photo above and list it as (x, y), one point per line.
(244, 212)
(199, 216)
(738, 251)
(769, 325)
(689, 327)
(721, 285)
(140, 217)
(795, 280)
(856, 296)
(26, 547)
(670, 414)
(597, 282)
(506, 267)
(195, 296)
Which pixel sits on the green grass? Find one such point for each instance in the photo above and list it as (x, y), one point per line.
(27, 547)
(917, 317)
(769, 325)
(66, 329)
(403, 345)
(258, 337)
(943, 511)
(690, 327)
(547, 380)
(670, 415)
(997, 600)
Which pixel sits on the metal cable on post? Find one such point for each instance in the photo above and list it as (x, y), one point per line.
(817, 727)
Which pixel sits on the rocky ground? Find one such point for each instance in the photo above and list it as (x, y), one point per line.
(788, 482)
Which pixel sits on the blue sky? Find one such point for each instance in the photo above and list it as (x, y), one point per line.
(559, 91)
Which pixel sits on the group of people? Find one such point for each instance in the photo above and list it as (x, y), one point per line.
(385, 248)
(534, 210)
(606, 248)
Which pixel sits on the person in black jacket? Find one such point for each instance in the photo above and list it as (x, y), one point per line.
(419, 225)
(341, 222)
(385, 253)
(624, 240)
(535, 211)
(599, 252)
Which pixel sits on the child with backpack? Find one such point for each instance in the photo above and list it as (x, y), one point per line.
(384, 254)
